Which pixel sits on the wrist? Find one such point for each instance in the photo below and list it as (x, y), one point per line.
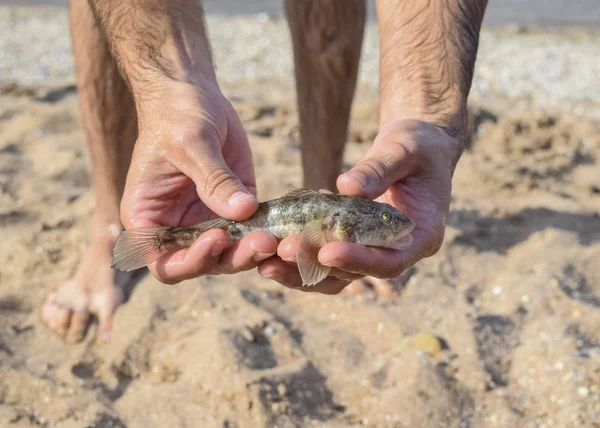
(164, 97)
(154, 79)
(443, 108)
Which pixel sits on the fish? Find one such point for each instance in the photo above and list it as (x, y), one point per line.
(317, 217)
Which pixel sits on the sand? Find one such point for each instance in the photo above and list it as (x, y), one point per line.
(499, 329)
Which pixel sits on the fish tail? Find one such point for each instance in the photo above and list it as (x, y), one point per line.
(139, 247)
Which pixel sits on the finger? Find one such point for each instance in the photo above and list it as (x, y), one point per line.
(287, 275)
(387, 161)
(286, 249)
(287, 252)
(369, 261)
(201, 258)
(247, 253)
(78, 327)
(217, 186)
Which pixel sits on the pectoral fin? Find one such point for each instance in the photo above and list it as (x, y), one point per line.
(310, 242)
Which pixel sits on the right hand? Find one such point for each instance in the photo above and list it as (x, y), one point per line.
(192, 162)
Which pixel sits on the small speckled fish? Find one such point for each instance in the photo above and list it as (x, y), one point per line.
(318, 218)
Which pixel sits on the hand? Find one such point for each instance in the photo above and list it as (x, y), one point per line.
(192, 161)
(409, 166)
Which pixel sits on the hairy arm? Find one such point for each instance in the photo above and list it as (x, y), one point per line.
(156, 40)
(427, 56)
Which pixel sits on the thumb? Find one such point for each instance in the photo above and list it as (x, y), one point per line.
(374, 174)
(388, 160)
(217, 186)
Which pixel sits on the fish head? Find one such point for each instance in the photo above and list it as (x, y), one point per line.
(382, 225)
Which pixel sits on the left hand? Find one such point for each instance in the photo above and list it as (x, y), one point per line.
(410, 166)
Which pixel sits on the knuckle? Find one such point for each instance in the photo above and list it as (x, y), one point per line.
(190, 138)
(377, 168)
(218, 181)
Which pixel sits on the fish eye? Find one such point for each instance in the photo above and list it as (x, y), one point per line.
(385, 216)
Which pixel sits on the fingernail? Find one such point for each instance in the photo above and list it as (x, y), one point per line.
(287, 248)
(358, 177)
(274, 275)
(259, 257)
(327, 260)
(105, 336)
(218, 247)
(238, 198)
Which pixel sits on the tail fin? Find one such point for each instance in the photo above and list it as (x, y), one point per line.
(137, 248)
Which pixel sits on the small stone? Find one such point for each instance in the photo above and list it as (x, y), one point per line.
(281, 390)
(425, 342)
(559, 365)
(525, 298)
(278, 408)
(270, 330)
(333, 316)
(497, 290)
(583, 391)
(248, 335)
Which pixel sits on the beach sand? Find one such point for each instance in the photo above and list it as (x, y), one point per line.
(498, 329)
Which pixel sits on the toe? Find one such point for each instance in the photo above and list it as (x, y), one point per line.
(103, 306)
(357, 287)
(383, 287)
(57, 317)
(78, 326)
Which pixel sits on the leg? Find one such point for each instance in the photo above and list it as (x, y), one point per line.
(327, 39)
(109, 119)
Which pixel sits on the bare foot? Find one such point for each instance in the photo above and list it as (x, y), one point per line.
(95, 289)
(372, 287)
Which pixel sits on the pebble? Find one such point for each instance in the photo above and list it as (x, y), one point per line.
(281, 390)
(248, 335)
(422, 341)
(583, 391)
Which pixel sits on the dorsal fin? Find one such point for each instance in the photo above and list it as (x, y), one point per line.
(297, 193)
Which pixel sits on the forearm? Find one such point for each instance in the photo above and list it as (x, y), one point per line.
(427, 56)
(156, 40)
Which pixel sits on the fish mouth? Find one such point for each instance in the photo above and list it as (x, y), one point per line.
(410, 227)
(404, 241)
